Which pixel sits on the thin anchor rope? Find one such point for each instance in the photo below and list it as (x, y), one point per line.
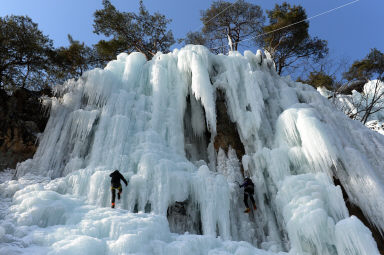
(293, 24)
(307, 19)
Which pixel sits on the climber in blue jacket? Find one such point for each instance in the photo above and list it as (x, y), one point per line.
(249, 190)
(116, 185)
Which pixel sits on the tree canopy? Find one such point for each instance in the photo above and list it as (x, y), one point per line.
(369, 68)
(24, 52)
(143, 32)
(320, 79)
(72, 61)
(287, 39)
(236, 21)
(196, 38)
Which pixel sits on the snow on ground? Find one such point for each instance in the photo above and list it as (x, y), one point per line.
(42, 221)
(155, 121)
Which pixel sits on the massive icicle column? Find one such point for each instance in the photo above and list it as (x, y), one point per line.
(156, 122)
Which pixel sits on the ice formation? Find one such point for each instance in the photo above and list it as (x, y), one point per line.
(156, 122)
(356, 103)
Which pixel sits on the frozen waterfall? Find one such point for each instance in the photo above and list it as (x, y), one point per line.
(156, 121)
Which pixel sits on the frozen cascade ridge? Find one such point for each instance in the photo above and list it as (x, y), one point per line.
(158, 122)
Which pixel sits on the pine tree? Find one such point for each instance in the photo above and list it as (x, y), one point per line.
(287, 39)
(371, 67)
(24, 53)
(72, 61)
(236, 21)
(143, 32)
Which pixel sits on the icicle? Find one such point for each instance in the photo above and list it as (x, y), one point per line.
(134, 116)
(230, 44)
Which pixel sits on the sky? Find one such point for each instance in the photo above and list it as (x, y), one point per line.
(351, 31)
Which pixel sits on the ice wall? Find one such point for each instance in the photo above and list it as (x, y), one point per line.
(150, 120)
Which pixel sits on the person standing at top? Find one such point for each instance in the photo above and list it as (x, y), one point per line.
(116, 185)
(249, 190)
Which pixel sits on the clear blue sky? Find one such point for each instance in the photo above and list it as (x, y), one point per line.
(350, 31)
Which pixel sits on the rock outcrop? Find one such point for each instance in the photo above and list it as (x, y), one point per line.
(227, 133)
(21, 120)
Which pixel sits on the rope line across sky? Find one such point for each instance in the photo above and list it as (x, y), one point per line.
(290, 25)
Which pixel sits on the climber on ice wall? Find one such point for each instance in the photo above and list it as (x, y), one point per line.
(116, 185)
(249, 190)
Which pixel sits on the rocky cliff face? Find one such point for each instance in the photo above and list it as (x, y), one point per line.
(21, 120)
(227, 134)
